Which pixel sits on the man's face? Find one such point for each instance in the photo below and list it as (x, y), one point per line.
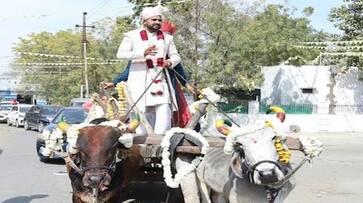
(153, 24)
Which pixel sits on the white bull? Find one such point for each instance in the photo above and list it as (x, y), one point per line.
(245, 175)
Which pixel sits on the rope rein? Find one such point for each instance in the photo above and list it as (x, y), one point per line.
(143, 93)
(204, 97)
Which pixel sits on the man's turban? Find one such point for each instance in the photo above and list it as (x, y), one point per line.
(149, 12)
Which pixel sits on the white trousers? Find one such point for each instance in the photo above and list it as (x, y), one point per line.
(159, 117)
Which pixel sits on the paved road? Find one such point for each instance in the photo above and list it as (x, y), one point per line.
(23, 178)
(336, 176)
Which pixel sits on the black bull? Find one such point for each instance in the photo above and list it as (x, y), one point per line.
(103, 176)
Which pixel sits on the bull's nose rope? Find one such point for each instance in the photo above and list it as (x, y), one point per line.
(288, 176)
(201, 96)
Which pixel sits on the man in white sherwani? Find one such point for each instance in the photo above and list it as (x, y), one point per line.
(150, 51)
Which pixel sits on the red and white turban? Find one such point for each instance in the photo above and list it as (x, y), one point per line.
(149, 12)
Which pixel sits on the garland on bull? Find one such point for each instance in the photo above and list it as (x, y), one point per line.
(182, 172)
(122, 103)
(110, 111)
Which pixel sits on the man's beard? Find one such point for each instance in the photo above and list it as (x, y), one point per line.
(154, 28)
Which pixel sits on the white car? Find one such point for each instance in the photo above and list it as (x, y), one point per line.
(17, 113)
(4, 110)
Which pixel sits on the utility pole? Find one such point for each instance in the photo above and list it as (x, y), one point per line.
(84, 26)
(195, 58)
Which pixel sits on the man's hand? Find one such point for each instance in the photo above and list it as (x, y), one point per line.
(167, 64)
(106, 85)
(151, 50)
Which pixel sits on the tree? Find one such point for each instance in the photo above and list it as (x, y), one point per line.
(348, 18)
(61, 83)
(221, 44)
(238, 45)
(225, 45)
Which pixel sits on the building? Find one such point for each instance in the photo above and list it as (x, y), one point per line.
(7, 95)
(8, 83)
(287, 84)
(11, 88)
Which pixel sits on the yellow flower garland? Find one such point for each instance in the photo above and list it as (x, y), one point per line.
(109, 111)
(122, 103)
(284, 154)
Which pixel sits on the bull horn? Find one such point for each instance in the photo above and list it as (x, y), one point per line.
(73, 150)
(134, 123)
(275, 109)
(222, 126)
(280, 112)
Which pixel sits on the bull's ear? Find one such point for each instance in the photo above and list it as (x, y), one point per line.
(126, 140)
(236, 165)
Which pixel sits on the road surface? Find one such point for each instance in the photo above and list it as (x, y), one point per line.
(336, 176)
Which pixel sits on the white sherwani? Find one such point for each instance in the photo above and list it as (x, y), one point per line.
(132, 48)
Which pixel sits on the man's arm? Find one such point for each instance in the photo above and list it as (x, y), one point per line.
(181, 74)
(123, 76)
(126, 49)
(173, 54)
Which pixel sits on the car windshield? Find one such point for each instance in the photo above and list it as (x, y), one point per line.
(24, 109)
(50, 110)
(70, 116)
(5, 108)
(78, 104)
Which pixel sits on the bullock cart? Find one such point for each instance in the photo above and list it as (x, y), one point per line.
(150, 145)
(151, 150)
(187, 148)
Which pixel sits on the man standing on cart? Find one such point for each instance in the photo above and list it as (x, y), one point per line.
(147, 48)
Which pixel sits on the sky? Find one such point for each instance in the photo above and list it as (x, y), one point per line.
(19, 18)
(319, 19)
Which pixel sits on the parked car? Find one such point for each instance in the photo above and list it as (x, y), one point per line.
(39, 116)
(4, 110)
(5, 103)
(17, 113)
(9, 102)
(78, 102)
(70, 115)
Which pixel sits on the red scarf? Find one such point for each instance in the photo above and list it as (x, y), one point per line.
(160, 36)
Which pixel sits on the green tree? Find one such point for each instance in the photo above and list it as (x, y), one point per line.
(348, 18)
(61, 83)
(238, 45)
(224, 44)
(53, 81)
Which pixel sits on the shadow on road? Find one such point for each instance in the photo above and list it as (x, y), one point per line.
(59, 161)
(151, 192)
(24, 199)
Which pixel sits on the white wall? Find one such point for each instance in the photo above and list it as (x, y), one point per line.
(283, 83)
(349, 91)
(307, 123)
